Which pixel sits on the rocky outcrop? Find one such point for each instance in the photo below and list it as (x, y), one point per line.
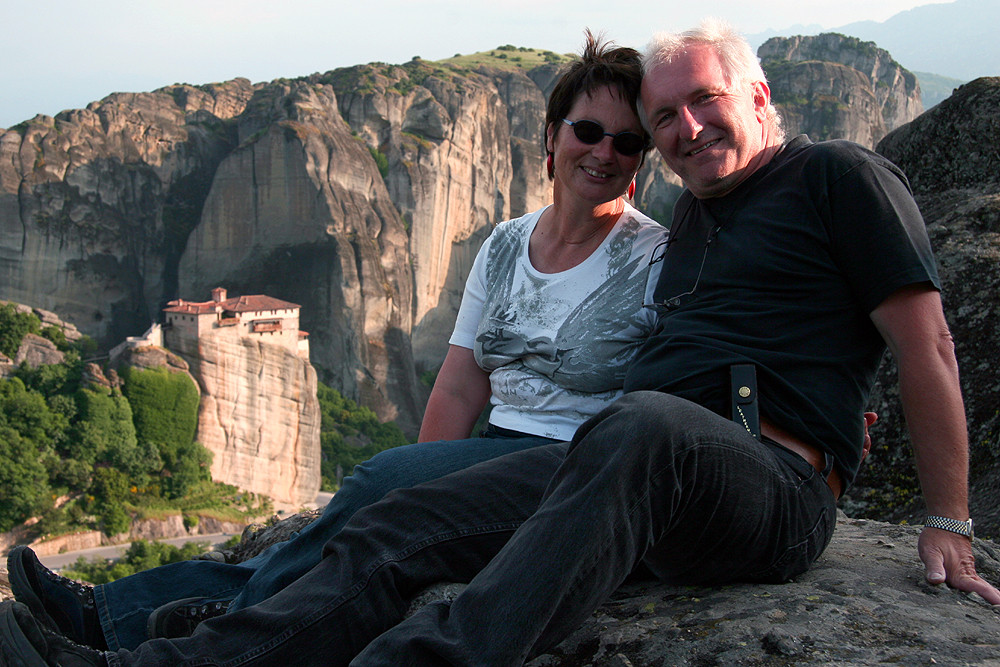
(830, 86)
(36, 351)
(259, 415)
(151, 356)
(949, 158)
(863, 602)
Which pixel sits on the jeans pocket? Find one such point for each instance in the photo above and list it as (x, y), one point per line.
(797, 558)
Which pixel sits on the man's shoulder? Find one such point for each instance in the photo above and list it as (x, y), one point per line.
(834, 158)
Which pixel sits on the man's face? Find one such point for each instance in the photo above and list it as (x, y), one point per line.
(711, 134)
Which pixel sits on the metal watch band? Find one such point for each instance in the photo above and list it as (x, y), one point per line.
(951, 525)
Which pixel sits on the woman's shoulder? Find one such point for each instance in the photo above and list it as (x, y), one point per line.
(518, 226)
(645, 227)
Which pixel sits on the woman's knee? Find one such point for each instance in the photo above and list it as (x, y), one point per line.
(387, 470)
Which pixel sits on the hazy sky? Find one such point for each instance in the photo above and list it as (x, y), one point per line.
(61, 54)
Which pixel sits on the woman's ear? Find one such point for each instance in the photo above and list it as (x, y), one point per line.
(550, 135)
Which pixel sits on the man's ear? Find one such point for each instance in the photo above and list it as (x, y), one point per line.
(550, 131)
(761, 99)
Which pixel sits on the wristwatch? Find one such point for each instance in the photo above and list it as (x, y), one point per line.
(951, 525)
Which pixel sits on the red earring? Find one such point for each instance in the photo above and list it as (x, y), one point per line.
(631, 189)
(550, 166)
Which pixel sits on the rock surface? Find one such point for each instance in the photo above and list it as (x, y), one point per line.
(864, 602)
(947, 154)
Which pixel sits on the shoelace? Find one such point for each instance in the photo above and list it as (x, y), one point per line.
(82, 591)
(209, 610)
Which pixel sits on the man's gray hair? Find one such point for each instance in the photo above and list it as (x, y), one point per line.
(739, 63)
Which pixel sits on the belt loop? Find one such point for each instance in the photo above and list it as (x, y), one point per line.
(743, 390)
(828, 467)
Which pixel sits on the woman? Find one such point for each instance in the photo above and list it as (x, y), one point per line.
(552, 313)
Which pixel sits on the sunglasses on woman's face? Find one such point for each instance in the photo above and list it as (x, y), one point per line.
(589, 132)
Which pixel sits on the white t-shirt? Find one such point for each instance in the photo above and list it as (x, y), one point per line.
(556, 345)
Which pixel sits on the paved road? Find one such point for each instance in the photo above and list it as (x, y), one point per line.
(59, 561)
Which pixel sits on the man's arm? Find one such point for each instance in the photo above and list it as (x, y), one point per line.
(911, 320)
(459, 396)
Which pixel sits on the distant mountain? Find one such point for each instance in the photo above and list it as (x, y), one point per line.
(935, 88)
(955, 40)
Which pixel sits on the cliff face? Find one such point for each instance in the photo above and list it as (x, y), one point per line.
(259, 415)
(834, 87)
(95, 205)
(362, 194)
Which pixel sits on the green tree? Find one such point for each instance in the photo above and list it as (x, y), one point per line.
(105, 433)
(53, 379)
(110, 488)
(184, 468)
(27, 412)
(349, 434)
(165, 412)
(141, 555)
(164, 406)
(14, 326)
(24, 488)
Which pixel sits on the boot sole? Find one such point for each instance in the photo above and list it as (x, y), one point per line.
(20, 586)
(16, 650)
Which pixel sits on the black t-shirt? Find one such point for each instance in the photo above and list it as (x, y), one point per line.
(783, 272)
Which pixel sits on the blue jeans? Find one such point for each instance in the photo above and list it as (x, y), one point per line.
(124, 605)
(544, 535)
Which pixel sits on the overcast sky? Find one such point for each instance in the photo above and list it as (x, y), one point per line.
(62, 54)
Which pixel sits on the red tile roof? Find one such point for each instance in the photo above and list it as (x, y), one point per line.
(240, 304)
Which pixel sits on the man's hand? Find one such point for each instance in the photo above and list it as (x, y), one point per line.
(948, 560)
(869, 418)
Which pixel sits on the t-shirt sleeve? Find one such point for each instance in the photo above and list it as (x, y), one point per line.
(878, 234)
(470, 312)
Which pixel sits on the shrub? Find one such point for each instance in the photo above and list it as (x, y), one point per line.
(141, 555)
(14, 326)
(350, 434)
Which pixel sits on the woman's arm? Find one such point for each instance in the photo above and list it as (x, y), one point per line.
(458, 398)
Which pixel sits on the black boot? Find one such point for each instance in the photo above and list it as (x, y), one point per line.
(63, 605)
(25, 641)
(180, 617)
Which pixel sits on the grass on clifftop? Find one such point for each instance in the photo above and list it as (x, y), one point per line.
(508, 57)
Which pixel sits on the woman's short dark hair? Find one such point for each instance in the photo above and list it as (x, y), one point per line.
(602, 65)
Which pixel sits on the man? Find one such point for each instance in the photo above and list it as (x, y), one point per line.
(802, 259)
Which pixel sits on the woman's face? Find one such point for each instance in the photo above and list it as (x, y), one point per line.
(593, 173)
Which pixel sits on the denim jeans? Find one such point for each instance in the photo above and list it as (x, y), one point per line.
(124, 605)
(544, 535)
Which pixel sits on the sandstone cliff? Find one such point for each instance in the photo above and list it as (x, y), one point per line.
(834, 87)
(258, 415)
